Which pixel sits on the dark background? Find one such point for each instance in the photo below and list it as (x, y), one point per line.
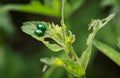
(20, 53)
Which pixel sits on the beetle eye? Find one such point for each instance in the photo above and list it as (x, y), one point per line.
(38, 32)
(41, 27)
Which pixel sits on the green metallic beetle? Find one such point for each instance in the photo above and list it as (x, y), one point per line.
(38, 32)
(41, 28)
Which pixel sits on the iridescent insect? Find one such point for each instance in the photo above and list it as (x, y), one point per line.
(41, 28)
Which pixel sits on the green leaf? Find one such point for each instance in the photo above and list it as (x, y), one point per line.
(34, 7)
(6, 23)
(75, 4)
(52, 61)
(105, 3)
(74, 68)
(96, 25)
(50, 7)
(118, 44)
(108, 51)
(52, 31)
(68, 64)
(53, 3)
(53, 47)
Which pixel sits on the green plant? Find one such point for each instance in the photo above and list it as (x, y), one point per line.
(64, 39)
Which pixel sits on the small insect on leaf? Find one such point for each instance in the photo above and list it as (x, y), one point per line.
(41, 26)
(38, 32)
(41, 30)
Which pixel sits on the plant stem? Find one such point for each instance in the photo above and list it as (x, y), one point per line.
(85, 57)
(71, 52)
(68, 47)
(62, 15)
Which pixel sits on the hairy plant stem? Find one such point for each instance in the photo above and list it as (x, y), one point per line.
(62, 19)
(71, 53)
(62, 11)
(68, 46)
(86, 54)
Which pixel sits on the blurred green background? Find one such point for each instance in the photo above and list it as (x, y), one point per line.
(20, 53)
